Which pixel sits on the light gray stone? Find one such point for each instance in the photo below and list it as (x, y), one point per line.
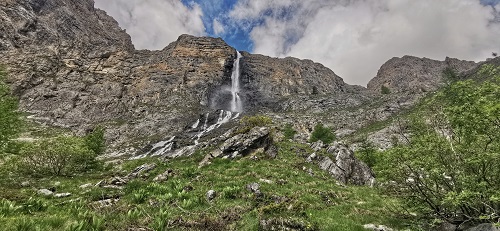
(211, 194)
(61, 195)
(45, 192)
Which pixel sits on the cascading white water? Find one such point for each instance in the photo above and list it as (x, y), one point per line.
(235, 86)
(165, 147)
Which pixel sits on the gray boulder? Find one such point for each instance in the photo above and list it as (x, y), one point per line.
(164, 176)
(345, 167)
(241, 144)
(211, 194)
(61, 195)
(318, 145)
(254, 188)
(45, 192)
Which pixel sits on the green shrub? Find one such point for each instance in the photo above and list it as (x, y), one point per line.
(367, 153)
(289, 132)
(385, 90)
(95, 141)
(322, 133)
(450, 165)
(63, 155)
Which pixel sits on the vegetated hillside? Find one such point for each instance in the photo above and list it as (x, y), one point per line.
(442, 172)
(120, 139)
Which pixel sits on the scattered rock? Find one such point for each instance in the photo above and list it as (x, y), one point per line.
(45, 192)
(25, 184)
(140, 170)
(84, 186)
(347, 168)
(61, 195)
(311, 157)
(187, 188)
(117, 182)
(310, 172)
(484, 227)
(377, 227)
(266, 181)
(105, 203)
(164, 176)
(57, 183)
(318, 145)
(272, 151)
(211, 194)
(255, 188)
(281, 182)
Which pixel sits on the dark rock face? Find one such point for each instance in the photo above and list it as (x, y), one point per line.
(415, 75)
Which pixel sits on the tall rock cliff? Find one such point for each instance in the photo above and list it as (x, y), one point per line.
(415, 75)
(72, 66)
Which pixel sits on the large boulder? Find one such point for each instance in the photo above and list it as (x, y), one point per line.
(344, 166)
(242, 144)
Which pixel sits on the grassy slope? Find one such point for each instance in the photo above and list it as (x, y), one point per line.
(311, 202)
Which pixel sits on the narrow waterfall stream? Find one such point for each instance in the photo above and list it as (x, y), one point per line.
(235, 85)
(201, 124)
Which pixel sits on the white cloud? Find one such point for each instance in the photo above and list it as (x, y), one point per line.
(355, 37)
(153, 24)
(217, 27)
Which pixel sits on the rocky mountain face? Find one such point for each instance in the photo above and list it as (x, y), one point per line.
(72, 66)
(415, 75)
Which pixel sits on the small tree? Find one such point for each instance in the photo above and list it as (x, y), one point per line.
(95, 141)
(385, 90)
(322, 133)
(289, 132)
(367, 153)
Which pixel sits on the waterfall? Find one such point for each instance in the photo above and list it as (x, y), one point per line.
(235, 85)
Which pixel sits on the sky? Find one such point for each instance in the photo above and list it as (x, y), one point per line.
(351, 37)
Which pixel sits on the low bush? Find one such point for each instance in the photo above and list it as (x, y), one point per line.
(59, 156)
(289, 132)
(322, 133)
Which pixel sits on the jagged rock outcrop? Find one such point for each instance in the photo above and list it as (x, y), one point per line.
(344, 167)
(415, 75)
(242, 144)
